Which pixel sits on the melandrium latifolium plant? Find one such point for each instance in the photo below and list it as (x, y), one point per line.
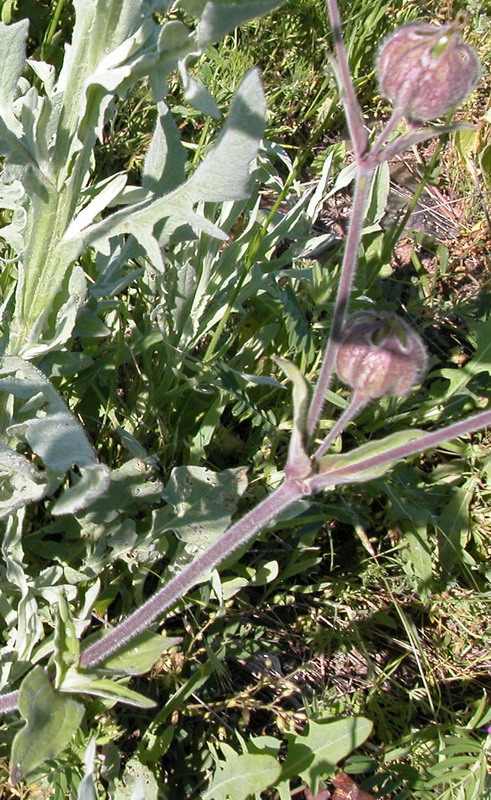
(57, 218)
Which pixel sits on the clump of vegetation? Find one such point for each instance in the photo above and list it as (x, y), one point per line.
(168, 271)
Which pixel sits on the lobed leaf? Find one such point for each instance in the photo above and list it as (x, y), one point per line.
(201, 503)
(53, 433)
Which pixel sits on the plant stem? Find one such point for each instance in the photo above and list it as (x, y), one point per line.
(9, 702)
(53, 24)
(354, 118)
(243, 530)
(337, 477)
(255, 520)
(348, 269)
(391, 125)
(363, 183)
(358, 402)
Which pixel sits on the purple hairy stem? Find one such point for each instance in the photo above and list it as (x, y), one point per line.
(339, 476)
(348, 269)
(9, 702)
(359, 139)
(357, 131)
(357, 403)
(243, 530)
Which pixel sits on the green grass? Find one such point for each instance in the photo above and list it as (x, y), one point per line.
(373, 600)
(399, 633)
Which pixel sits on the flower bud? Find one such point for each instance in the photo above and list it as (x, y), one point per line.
(426, 69)
(380, 354)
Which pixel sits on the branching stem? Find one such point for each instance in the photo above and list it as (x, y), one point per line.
(293, 488)
(348, 269)
(429, 440)
(357, 404)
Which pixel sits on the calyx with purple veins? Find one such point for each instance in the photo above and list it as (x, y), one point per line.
(380, 354)
(426, 70)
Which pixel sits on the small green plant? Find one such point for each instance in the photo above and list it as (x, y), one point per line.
(191, 230)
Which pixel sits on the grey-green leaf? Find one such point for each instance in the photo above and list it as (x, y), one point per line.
(20, 481)
(75, 681)
(298, 463)
(243, 775)
(196, 94)
(220, 18)
(225, 172)
(138, 783)
(66, 643)
(352, 463)
(316, 753)
(53, 433)
(13, 48)
(163, 169)
(51, 720)
(202, 503)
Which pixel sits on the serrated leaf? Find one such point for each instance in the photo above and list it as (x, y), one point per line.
(316, 753)
(51, 720)
(243, 775)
